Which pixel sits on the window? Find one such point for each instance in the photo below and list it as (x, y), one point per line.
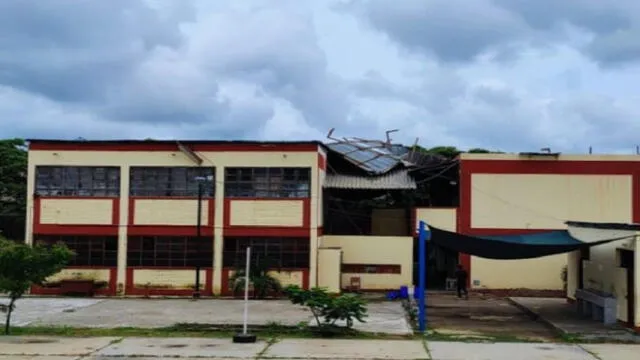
(89, 250)
(171, 181)
(280, 252)
(77, 181)
(267, 182)
(169, 251)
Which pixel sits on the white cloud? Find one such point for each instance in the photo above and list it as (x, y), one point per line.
(501, 74)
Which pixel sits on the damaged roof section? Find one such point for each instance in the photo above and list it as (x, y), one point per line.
(378, 157)
(372, 157)
(397, 180)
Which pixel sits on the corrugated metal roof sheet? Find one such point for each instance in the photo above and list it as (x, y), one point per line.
(369, 157)
(397, 180)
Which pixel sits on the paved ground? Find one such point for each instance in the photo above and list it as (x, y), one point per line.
(41, 348)
(564, 318)
(482, 315)
(384, 317)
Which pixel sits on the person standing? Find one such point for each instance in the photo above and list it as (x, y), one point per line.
(461, 282)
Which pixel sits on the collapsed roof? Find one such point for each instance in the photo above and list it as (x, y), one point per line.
(379, 165)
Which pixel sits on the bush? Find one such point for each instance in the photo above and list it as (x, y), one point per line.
(22, 265)
(327, 309)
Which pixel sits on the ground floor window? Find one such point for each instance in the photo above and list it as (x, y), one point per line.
(169, 251)
(89, 250)
(280, 252)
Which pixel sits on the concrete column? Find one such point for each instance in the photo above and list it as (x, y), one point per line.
(122, 229)
(218, 231)
(573, 261)
(315, 193)
(637, 279)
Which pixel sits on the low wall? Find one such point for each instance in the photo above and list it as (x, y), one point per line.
(380, 262)
(299, 277)
(149, 281)
(105, 279)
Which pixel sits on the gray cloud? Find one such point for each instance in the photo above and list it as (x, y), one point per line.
(461, 30)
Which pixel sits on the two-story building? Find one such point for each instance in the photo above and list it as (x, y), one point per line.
(129, 209)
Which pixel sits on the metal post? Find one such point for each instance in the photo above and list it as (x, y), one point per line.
(246, 292)
(196, 293)
(244, 337)
(422, 276)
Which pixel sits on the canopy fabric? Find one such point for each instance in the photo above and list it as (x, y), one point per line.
(511, 247)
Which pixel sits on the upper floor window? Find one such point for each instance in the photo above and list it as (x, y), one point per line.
(77, 181)
(267, 182)
(171, 181)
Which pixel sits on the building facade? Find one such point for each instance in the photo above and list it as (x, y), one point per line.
(503, 194)
(129, 209)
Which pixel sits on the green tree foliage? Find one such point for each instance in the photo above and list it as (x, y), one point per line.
(259, 278)
(13, 186)
(327, 308)
(451, 152)
(22, 265)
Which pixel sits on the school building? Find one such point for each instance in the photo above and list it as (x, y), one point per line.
(129, 209)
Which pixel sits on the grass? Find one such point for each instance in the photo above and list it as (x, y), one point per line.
(266, 332)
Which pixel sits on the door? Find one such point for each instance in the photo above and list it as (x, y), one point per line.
(627, 262)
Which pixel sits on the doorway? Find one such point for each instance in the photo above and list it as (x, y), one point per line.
(627, 262)
(441, 265)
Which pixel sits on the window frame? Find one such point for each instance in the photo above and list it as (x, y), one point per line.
(77, 181)
(162, 181)
(173, 252)
(267, 182)
(104, 246)
(272, 248)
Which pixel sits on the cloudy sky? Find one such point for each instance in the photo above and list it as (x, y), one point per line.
(511, 75)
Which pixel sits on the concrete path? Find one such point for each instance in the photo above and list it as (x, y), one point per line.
(40, 348)
(384, 317)
(563, 317)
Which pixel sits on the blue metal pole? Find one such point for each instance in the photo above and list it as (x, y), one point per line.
(422, 278)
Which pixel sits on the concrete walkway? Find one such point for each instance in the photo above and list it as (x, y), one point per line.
(562, 316)
(384, 317)
(40, 348)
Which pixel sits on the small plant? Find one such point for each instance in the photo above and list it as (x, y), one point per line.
(22, 266)
(259, 278)
(327, 309)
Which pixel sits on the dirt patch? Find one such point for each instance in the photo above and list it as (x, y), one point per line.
(482, 315)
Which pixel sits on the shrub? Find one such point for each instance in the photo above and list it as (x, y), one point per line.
(22, 265)
(327, 309)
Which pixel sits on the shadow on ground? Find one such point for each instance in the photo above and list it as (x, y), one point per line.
(483, 317)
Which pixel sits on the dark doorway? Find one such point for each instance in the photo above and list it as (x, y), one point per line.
(627, 262)
(441, 265)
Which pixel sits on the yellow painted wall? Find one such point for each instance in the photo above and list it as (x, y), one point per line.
(266, 213)
(442, 218)
(97, 275)
(169, 212)
(536, 274)
(285, 277)
(601, 271)
(329, 272)
(219, 160)
(547, 201)
(384, 250)
(77, 212)
(389, 222)
(169, 279)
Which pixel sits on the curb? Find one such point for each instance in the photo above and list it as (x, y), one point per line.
(536, 317)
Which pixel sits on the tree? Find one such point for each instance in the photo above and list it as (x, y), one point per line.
(326, 308)
(13, 187)
(22, 265)
(259, 277)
